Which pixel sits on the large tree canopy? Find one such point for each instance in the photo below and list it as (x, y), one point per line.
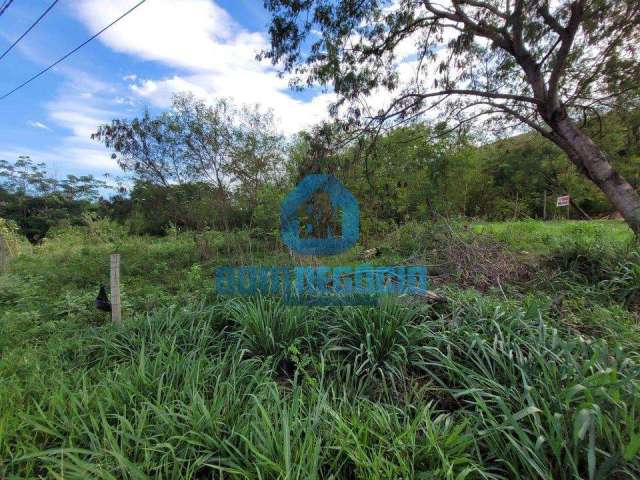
(220, 145)
(506, 62)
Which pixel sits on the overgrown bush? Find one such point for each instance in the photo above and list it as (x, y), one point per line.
(550, 405)
(585, 258)
(270, 329)
(11, 243)
(414, 239)
(379, 342)
(508, 209)
(624, 280)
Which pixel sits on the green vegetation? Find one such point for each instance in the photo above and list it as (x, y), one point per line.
(520, 362)
(235, 177)
(544, 237)
(523, 363)
(534, 377)
(485, 66)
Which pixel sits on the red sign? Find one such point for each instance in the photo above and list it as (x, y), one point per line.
(562, 201)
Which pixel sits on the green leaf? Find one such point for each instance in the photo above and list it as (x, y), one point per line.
(525, 412)
(631, 450)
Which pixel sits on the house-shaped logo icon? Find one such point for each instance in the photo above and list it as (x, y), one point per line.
(319, 217)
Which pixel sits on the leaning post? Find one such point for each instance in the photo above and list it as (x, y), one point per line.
(116, 309)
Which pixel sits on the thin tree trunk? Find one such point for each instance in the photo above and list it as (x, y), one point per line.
(593, 162)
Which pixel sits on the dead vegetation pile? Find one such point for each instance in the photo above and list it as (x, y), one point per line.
(456, 255)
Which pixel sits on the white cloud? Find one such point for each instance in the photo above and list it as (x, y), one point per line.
(81, 119)
(206, 51)
(213, 56)
(210, 53)
(67, 157)
(83, 103)
(242, 88)
(39, 125)
(193, 34)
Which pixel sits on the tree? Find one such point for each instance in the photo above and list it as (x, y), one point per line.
(207, 132)
(36, 201)
(218, 147)
(506, 62)
(257, 152)
(148, 147)
(25, 177)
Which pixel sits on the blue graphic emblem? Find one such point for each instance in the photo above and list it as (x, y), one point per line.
(331, 216)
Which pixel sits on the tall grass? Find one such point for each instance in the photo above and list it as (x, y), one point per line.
(543, 385)
(270, 329)
(547, 405)
(377, 341)
(496, 391)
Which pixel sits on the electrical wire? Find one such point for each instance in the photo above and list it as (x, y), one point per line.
(28, 29)
(5, 5)
(67, 55)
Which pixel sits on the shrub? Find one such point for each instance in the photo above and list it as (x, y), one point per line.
(271, 329)
(507, 209)
(10, 243)
(235, 244)
(379, 341)
(624, 281)
(413, 238)
(587, 258)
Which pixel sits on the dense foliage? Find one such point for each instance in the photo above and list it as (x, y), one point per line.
(520, 361)
(198, 167)
(533, 64)
(36, 201)
(196, 156)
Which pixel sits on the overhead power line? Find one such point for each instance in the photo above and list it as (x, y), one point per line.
(67, 55)
(28, 29)
(4, 6)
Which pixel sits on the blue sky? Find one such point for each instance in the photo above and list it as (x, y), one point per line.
(204, 46)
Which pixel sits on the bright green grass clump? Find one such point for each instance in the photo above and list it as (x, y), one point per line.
(543, 237)
(483, 390)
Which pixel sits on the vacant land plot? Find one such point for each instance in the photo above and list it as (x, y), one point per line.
(530, 376)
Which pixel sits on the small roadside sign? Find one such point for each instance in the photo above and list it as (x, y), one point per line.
(563, 201)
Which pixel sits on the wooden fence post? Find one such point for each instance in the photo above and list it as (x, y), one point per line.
(116, 309)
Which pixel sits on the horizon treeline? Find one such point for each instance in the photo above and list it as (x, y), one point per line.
(198, 166)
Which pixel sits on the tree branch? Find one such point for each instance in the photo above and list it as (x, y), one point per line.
(527, 121)
(491, 8)
(477, 93)
(549, 19)
(567, 36)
